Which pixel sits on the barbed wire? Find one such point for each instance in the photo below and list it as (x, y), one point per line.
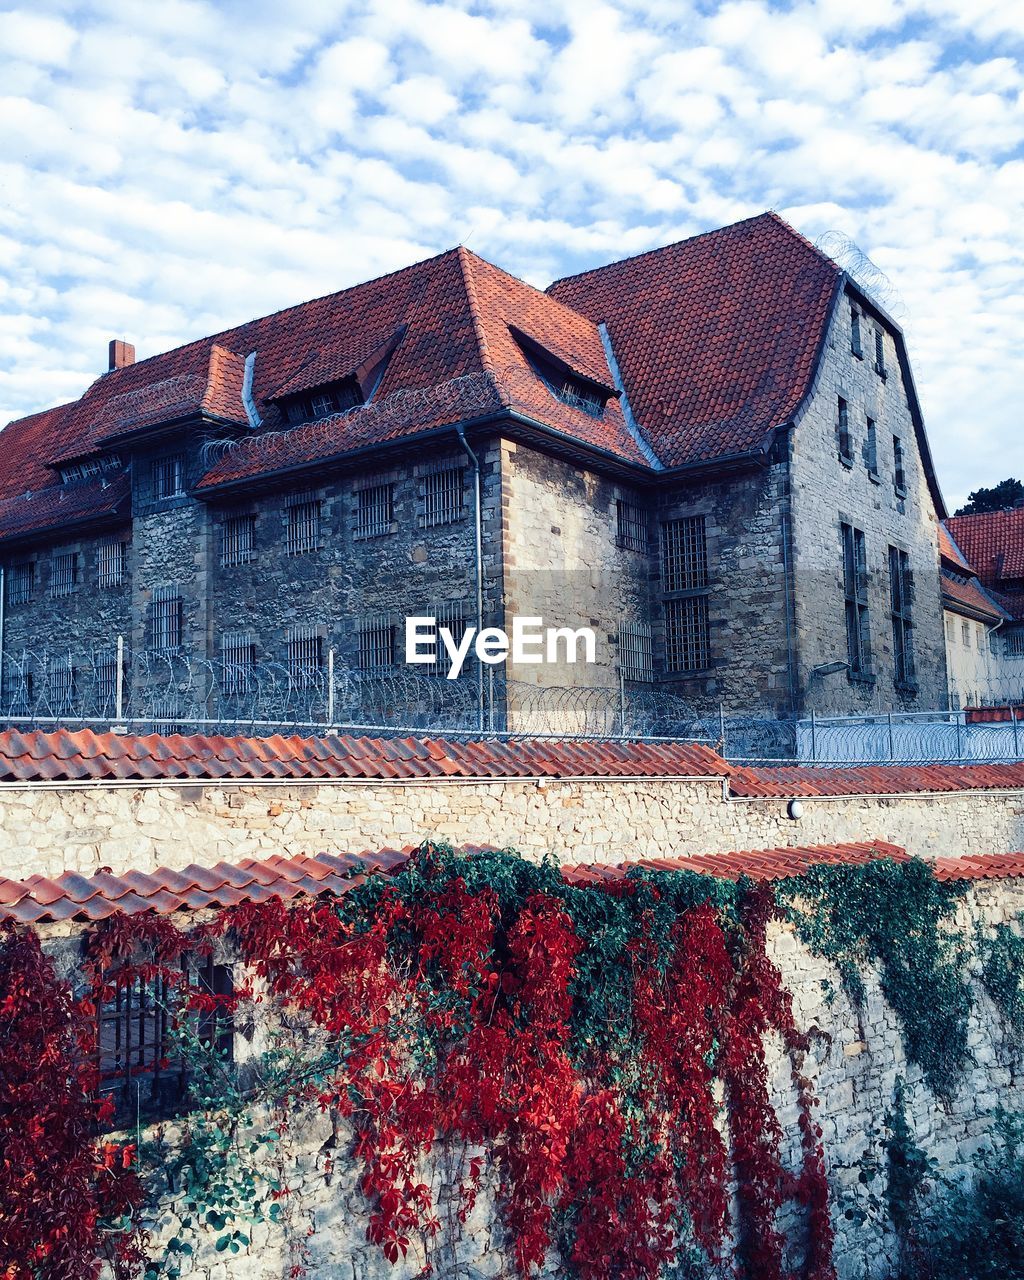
(178, 692)
(847, 254)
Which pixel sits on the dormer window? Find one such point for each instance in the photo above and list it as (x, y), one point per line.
(73, 471)
(565, 383)
(323, 401)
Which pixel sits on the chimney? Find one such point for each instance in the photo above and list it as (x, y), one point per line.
(122, 354)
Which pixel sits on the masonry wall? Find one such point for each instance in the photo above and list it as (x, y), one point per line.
(853, 1065)
(827, 492)
(46, 829)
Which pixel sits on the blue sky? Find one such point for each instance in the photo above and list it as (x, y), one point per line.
(170, 169)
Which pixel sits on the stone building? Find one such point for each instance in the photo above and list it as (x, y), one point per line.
(981, 664)
(712, 454)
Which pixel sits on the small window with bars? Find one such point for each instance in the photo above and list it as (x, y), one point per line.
(443, 496)
(965, 634)
(687, 634)
(21, 583)
(111, 563)
(636, 651)
(165, 619)
(105, 675)
(855, 342)
(305, 654)
(60, 686)
(451, 615)
(303, 527)
(237, 537)
(139, 1026)
(843, 431)
(375, 510)
(579, 395)
(900, 595)
(871, 448)
(168, 476)
(376, 643)
(879, 353)
(63, 574)
(899, 468)
(950, 631)
(19, 689)
(855, 589)
(684, 554)
(238, 660)
(630, 526)
(1013, 643)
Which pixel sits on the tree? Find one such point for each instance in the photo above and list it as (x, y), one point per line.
(1005, 495)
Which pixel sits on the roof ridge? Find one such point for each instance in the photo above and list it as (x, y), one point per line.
(474, 307)
(767, 215)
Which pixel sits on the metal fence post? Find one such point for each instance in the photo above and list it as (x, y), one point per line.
(119, 682)
(814, 738)
(959, 743)
(721, 725)
(1016, 742)
(892, 749)
(622, 702)
(330, 688)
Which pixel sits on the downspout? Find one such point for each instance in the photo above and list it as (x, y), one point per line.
(251, 412)
(460, 431)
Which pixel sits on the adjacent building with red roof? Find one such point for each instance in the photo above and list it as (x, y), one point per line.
(712, 454)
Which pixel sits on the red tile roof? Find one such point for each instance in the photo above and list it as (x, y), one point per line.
(717, 337)
(877, 780)
(64, 755)
(993, 543)
(970, 597)
(71, 896)
(60, 506)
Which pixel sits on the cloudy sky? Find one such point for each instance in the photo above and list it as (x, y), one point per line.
(168, 169)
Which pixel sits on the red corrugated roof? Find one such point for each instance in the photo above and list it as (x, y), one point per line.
(790, 780)
(69, 756)
(717, 337)
(71, 896)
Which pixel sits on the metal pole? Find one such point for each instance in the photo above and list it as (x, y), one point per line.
(892, 753)
(814, 738)
(119, 682)
(959, 747)
(622, 702)
(1016, 743)
(330, 687)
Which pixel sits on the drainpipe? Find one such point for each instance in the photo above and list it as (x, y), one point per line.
(460, 431)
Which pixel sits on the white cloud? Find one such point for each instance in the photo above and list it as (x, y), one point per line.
(206, 162)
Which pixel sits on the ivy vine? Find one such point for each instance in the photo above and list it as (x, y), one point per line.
(896, 915)
(1002, 971)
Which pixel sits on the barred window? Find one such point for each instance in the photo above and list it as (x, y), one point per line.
(636, 651)
(21, 583)
(105, 668)
(137, 1051)
(376, 643)
(855, 342)
(237, 535)
(451, 616)
(19, 688)
(843, 427)
(168, 476)
(303, 527)
(60, 685)
(579, 395)
(899, 471)
(879, 353)
(443, 496)
(950, 631)
(63, 573)
(965, 632)
(375, 510)
(305, 653)
(687, 637)
(165, 618)
(872, 447)
(238, 658)
(631, 526)
(111, 563)
(900, 594)
(684, 554)
(855, 587)
(1013, 643)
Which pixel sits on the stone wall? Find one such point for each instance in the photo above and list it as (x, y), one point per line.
(47, 828)
(853, 1064)
(828, 491)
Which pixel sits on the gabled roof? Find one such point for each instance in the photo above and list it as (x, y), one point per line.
(717, 338)
(993, 544)
(962, 592)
